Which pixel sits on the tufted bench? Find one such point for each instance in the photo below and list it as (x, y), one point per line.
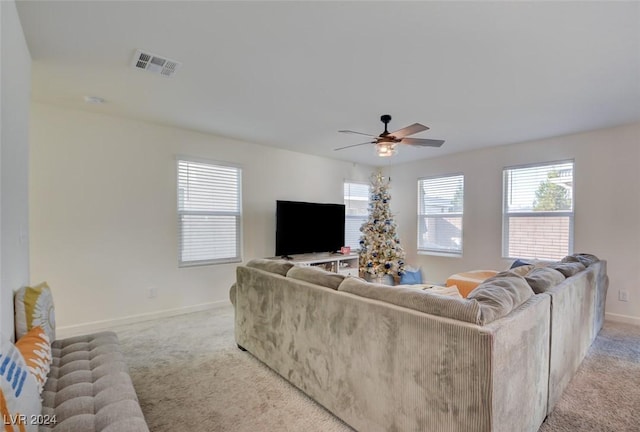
(89, 389)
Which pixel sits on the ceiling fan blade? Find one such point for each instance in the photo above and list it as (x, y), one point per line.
(409, 130)
(354, 145)
(422, 142)
(354, 132)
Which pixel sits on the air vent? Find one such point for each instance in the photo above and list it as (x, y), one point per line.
(155, 64)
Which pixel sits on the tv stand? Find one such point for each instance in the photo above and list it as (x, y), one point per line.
(342, 264)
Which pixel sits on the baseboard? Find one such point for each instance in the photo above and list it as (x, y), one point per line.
(96, 326)
(622, 318)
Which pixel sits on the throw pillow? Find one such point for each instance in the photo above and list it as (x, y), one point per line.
(34, 307)
(411, 276)
(19, 399)
(35, 348)
(519, 263)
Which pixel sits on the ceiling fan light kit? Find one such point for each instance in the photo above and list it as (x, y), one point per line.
(386, 142)
(386, 149)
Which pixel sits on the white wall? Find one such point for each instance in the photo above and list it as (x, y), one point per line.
(103, 210)
(15, 90)
(607, 205)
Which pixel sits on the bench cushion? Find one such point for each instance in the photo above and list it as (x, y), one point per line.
(89, 389)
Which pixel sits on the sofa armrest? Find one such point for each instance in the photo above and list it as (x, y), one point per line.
(232, 294)
(573, 309)
(520, 366)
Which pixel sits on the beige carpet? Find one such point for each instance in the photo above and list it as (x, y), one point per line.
(189, 375)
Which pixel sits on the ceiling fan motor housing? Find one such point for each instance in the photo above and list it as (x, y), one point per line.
(385, 118)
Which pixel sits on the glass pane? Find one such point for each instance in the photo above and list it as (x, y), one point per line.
(208, 237)
(440, 233)
(539, 237)
(542, 188)
(352, 231)
(442, 195)
(441, 205)
(356, 199)
(204, 187)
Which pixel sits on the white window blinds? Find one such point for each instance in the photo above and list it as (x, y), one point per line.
(356, 201)
(538, 211)
(209, 210)
(440, 211)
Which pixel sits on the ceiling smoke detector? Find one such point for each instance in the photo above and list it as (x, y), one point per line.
(154, 63)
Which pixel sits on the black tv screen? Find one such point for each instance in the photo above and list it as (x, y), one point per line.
(304, 227)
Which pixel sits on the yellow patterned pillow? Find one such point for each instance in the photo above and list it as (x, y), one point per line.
(34, 307)
(35, 348)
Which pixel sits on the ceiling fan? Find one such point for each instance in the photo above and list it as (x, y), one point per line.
(386, 142)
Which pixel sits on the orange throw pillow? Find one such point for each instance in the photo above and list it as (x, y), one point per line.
(36, 350)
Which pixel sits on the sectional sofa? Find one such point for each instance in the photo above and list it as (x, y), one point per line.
(404, 359)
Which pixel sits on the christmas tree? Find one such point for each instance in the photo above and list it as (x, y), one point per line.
(380, 251)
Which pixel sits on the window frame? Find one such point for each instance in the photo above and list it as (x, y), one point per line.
(347, 216)
(506, 216)
(422, 215)
(181, 212)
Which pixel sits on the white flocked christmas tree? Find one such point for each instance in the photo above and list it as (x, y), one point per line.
(380, 250)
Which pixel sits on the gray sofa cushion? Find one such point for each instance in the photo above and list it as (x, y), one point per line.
(316, 276)
(499, 295)
(543, 278)
(279, 266)
(568, 269)
(89, 389)
(585, 259)
(523, 269)
(416, 299)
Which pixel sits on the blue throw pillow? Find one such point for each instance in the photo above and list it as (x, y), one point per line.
(411, 277)
(519, 263)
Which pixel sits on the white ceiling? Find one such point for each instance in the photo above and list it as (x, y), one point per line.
(291, 74)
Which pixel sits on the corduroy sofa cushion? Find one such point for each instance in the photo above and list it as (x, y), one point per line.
(316, 276)
(584, 258)
(543, 278)
(278, 266)
(89, 389)
(499, 295)
(568, 269)
(409, 297)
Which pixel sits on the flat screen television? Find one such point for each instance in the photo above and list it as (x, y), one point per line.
(304, 227)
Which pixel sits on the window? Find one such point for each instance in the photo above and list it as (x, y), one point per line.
(538, 211)
(440, 210)
(209, 209)
(356, 201)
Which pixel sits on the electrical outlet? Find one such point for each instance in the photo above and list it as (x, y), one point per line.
(152, 292)
(623, 295)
